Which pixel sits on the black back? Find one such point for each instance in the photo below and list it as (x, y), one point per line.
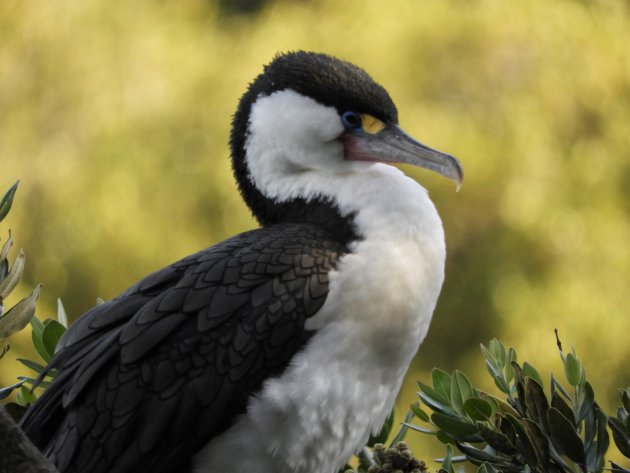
(150, 377)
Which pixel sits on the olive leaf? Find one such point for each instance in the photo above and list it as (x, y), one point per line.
(7, 201)
(19, 315)
(14, 276)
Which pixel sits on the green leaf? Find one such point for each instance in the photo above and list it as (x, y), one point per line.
(27, 395)
(493, 369)
(539, 441)
(446, 463)
(493, 401)
(453, 426)
(509, 365)
(519, 383)
(478, 409)
(588, 402)
(36, 336)
(486, 353)
(7, 201)
(20, 400)
(435, 405)
(531, 372)
(38, 326)
(572, 369)
(560, 404)
(5, 248)
(620, 436)
(51, 335)
(555, 384)
(507, 429)
(502, 385)
(417, 428)
(497, 440)
(441, 382)
(603, 440)
(32, 365)
(536, 403)
(564, 437)
(505, 408)
(498, 352)
(4, 270)
(524, 443)
(477, 456)
(419, 413)
(461, 391)
(442, 437)
(588, 430)
(625, 398)
(19, 315)
(497, 376)
(35, 382)
(61, 313)
(4, 392)
(14, 276)
(434, 394)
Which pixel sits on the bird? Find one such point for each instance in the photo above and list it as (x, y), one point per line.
(283, 348)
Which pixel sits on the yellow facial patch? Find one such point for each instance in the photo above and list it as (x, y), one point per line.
(370, 124)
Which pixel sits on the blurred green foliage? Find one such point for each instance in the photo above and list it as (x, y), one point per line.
(115, 116)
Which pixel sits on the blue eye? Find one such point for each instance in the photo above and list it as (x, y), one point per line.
(351, 120)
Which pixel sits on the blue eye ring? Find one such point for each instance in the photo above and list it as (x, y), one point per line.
(352, 121)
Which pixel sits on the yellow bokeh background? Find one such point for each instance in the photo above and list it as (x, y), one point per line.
(115, 117)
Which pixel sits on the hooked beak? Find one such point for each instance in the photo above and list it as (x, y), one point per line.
(393, 145)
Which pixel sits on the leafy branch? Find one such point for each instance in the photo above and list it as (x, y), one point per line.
(45, 335)
(524, 430)
(18, 316)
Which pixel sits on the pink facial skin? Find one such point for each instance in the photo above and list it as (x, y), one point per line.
(353, 151)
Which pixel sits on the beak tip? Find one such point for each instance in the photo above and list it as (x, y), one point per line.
(457, 173)
(459, 181)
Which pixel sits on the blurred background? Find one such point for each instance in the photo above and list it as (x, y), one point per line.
(115, 117)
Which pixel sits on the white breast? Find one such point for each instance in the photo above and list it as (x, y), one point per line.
(343, 384)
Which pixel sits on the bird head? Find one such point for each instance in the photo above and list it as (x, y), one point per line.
(313, 114)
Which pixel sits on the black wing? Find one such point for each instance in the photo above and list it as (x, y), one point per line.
(149, 377)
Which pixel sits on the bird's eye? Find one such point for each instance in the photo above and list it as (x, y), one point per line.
(351, 120)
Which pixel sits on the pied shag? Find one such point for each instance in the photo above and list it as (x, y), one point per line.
(280, 349)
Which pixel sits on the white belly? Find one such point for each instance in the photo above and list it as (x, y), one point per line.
(342, 386)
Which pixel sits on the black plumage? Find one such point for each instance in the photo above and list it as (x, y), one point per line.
(167, 365)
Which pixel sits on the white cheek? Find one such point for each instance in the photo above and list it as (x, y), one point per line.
(289, 134)
(293, 120)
